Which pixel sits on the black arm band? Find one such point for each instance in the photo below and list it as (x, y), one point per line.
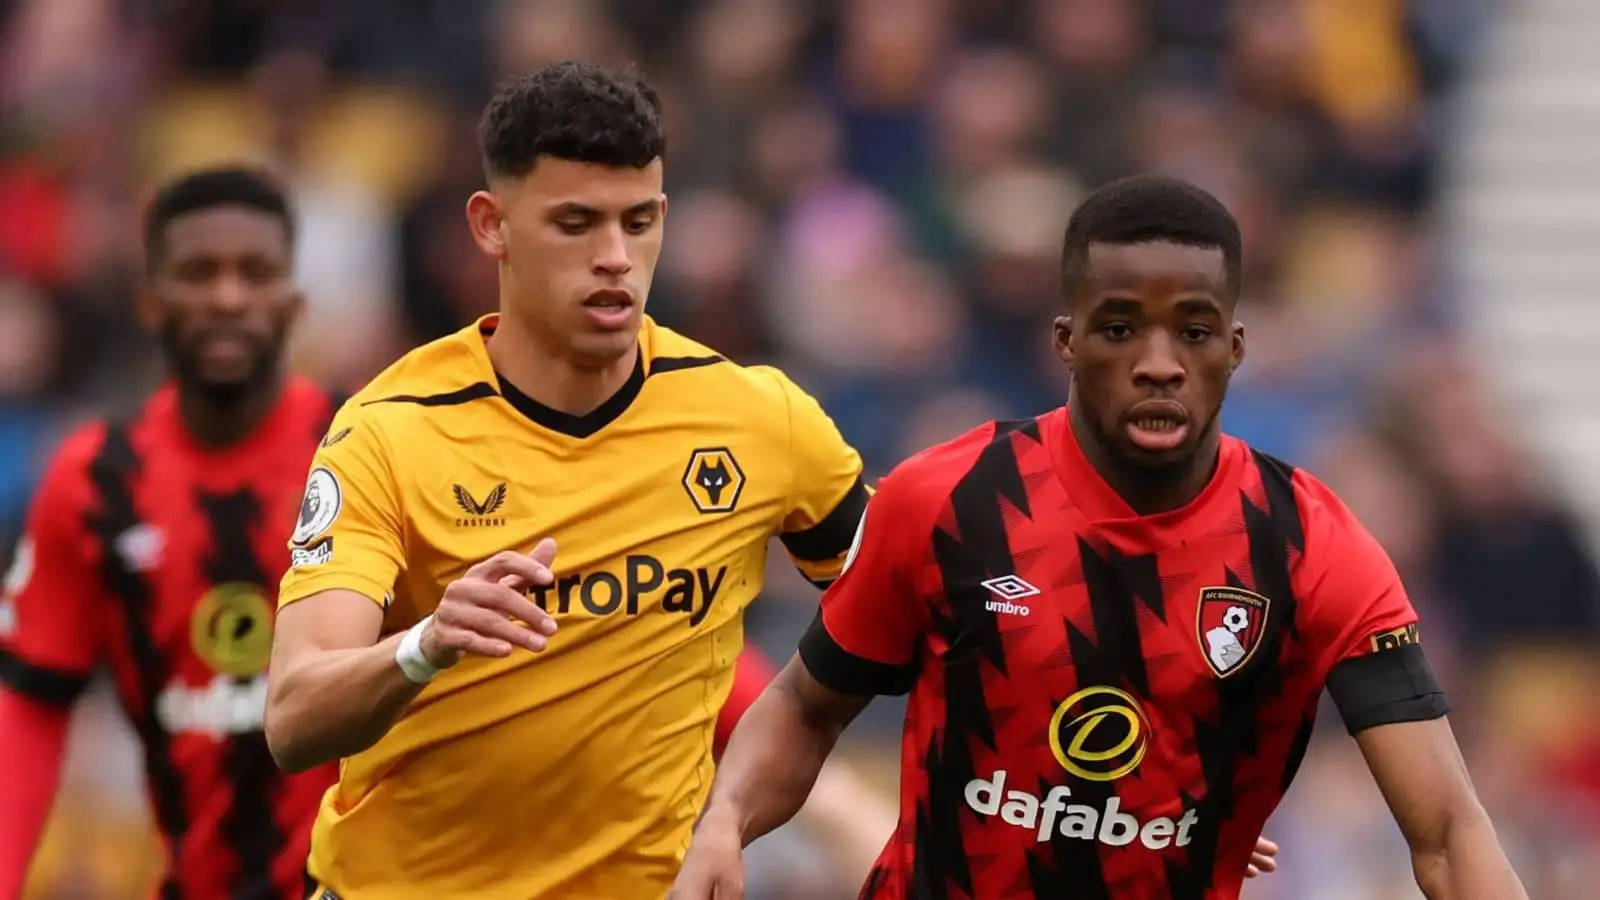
(39, 683)
(840, 670)
(830, 538)
(1385, 687)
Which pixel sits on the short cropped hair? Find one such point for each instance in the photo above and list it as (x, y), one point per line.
(574, 111)
(1149, 208)
(208, 189)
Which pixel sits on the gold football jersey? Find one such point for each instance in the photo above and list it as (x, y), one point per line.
(578, 772)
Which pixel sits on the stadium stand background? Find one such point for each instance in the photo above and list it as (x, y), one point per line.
(870, 193)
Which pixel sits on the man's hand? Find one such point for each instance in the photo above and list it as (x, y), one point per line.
(486, 612)
(1263, 860)
(714, 868)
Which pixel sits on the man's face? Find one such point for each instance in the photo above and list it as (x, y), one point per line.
(580, 248)
(1152, 344)
(222, 299)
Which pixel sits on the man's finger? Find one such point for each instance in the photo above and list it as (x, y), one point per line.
(490, 624)
(478, 645)
(1266, 847)
(544, 552)
(510, 602)
(525, 568)
(1251, 871)
(1264, 863)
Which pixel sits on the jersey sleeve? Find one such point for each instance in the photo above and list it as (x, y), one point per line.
(52, 602)
(865, 636)
(348, 535)
(828, 494)
(1363, 623)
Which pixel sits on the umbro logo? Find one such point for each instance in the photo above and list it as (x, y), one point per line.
(1010, 589)
(480, 514)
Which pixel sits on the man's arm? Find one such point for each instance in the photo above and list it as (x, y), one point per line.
(864, 641)
(31, 749)
(1379, 677)
(333, 687)
(827, 495)
(50, 640)
(778, 750)
(846, 817)
(1454, 851)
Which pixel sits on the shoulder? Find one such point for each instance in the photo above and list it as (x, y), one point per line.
(81, 445)
(441, 373)
(921, 485)
(1317, 521)
(693, 374)
(68, 481)
(681, 361)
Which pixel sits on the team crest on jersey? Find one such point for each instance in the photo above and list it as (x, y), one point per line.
(714, 480)
(1230, 622)
(231, 630)
(319, 506)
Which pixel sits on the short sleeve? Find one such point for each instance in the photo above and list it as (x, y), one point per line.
(1366, 632)
(52, 601)
(828, 494)
(348, 535)
(865, 636)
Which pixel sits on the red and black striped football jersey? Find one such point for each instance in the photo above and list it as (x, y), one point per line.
(1105, 705)
(160, 559)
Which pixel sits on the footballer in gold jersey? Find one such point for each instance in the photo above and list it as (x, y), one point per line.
(520, 717)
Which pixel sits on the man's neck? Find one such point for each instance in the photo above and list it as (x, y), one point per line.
(549, 378)
(1148, 491)
(217, 422)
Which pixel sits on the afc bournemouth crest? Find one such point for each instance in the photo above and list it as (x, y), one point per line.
(1230, 622)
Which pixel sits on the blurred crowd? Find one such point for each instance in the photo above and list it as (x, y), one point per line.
(869, 193)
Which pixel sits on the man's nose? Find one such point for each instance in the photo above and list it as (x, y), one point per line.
(611, 254)
(1159, 362)
(228, 294)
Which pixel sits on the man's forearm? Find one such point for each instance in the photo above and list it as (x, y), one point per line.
(770, 765)
(336, 703)
(35, 739)
(1472, 866)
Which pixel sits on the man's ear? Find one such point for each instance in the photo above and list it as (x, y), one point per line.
(486, 220)
(1237, 353)
(1061, 336)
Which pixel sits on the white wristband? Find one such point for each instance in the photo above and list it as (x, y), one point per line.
(409, 656)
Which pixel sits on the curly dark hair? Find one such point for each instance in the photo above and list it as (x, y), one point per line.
(205, 189)
(1151, 207)
(571, 110)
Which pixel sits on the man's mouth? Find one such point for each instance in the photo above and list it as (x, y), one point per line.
(1158, 426)
(610, 309)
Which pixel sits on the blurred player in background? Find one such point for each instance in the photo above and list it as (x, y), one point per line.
(154, 546)
(1114, 621)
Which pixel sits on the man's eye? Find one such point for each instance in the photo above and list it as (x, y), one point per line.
(1117, 331)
